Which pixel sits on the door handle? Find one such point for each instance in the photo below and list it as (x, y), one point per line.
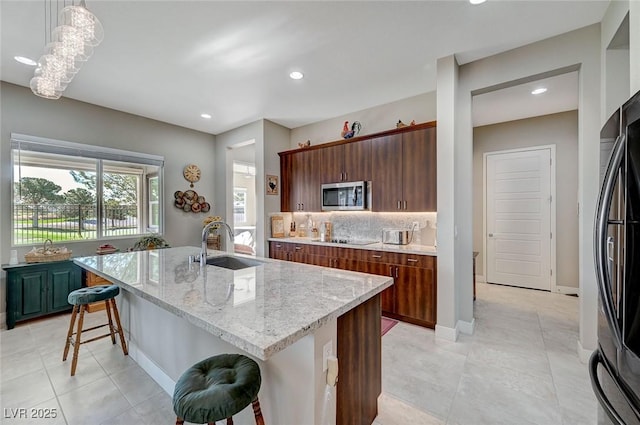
(490, 235)
(601, 245)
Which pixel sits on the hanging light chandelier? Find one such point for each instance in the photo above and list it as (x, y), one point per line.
(72, 41)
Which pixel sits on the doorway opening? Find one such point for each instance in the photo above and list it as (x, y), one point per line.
(244, 207)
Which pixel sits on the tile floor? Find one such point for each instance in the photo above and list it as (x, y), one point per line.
(520, 367)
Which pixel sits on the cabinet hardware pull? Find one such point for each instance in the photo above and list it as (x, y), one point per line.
(341, 177)
(396, 272)
(398, 205)
(377, 256)
(391, 271)
(278, 246)
(405, 205)
(346, 176)
(298, 248)
(412, 260)
(302, 207)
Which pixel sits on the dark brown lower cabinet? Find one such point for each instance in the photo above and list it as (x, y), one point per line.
(411, 299)
(359, 347)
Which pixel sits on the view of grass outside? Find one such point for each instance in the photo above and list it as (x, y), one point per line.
(35, 223)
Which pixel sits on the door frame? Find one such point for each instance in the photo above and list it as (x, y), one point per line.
(552, 206)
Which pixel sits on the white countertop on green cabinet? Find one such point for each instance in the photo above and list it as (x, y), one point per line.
(260, 310)
(377, 246)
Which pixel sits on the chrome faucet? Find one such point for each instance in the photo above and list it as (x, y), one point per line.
(205, 233)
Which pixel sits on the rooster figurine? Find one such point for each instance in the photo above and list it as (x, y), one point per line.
(345, 129)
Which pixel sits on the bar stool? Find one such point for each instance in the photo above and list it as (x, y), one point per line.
(80, 298)
(217, 388)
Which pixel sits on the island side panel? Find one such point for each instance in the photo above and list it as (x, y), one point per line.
(360, 361)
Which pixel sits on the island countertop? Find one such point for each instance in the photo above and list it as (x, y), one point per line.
(261, 310)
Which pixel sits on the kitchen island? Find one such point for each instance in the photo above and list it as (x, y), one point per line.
(282, 314)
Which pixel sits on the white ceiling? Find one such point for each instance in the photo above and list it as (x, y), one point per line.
(173, 60)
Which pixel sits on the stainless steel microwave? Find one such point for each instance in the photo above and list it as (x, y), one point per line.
(347, 196)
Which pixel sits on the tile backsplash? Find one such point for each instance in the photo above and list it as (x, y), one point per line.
(369, 225)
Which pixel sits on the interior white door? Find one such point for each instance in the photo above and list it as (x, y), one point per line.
(518, 214)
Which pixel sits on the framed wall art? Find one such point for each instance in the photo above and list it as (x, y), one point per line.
(272, 185)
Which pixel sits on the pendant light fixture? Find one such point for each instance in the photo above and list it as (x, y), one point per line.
(72, 41)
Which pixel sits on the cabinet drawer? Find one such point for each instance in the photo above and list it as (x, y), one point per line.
(415, 260)
(378, 256)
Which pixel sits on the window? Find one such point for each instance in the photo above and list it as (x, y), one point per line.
(239, 205)
(67, 191)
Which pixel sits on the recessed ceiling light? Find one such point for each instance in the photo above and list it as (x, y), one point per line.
(477, 1)
(296, 75)
(26, 61)
(206, 116)
(539, 91)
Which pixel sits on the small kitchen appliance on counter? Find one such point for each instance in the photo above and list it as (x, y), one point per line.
(397, 236)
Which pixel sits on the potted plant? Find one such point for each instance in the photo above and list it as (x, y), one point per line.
(151, 241)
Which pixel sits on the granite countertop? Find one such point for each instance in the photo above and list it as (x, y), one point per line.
(378, 246)
(261, 310)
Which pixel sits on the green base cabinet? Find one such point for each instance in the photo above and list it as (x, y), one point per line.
(35, 290)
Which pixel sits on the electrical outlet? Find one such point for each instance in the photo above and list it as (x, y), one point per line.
(416, 225)
(327, 351)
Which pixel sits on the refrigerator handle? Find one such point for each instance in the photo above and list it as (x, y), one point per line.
(594, 360)
(602, 243)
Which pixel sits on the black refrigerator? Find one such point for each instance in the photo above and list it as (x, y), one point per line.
(614, 367)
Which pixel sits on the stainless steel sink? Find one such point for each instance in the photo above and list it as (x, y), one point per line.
(233, 263)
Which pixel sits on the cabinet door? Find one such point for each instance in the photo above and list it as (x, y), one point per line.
(332, 164)
(419, 170)
(286, 183)
(62, 280)
(386, 173)
(415, 294)
(387, 297)
(308, 171)
(30, 289)
(278, 250)
(357, 161)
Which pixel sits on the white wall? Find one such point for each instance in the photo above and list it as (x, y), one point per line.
(614, 58)
(276, 139)
(577, 48)
(634, 46)
(421, 108)
(73, 121)
(560, 130)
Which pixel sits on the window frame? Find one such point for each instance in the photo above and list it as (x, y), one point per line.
(32, 144)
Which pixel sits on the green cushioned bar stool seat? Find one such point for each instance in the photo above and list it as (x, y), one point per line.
(80, 299)
(217, 388)
(93, 294)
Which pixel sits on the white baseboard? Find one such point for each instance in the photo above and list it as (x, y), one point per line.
(448, 334)
(567, 290)
(157, 374)
(583, 353)
(466, 327)
(480, 278)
